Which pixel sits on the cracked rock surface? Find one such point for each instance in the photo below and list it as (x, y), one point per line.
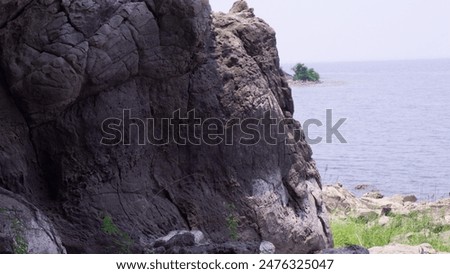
(24, 228)
(66, 66)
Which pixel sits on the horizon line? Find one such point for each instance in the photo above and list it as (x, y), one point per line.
(366, 60)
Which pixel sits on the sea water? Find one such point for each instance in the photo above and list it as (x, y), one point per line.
(397, 127)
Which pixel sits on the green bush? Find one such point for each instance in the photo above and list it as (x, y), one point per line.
(232, 222)
(109, 227)
(20, 243)
(303, 73)
(121, 239)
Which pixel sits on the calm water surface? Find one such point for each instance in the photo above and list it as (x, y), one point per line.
(397, 128)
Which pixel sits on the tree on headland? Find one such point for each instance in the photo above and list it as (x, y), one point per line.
(303, 73)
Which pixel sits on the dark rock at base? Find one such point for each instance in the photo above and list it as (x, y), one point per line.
(6, 244)
(193, 242)
(353, 249)
(235, 248)
(225, 248)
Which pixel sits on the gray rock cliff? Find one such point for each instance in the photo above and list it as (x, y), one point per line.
(66, 66)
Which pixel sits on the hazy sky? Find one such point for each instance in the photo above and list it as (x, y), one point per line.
(355, 30)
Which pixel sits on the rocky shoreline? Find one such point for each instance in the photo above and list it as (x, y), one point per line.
(296, 83)
(342, 205)
(293, 83)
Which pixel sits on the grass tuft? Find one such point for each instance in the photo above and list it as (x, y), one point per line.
(412, 229)
(122, 240)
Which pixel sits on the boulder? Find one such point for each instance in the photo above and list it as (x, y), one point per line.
(25, 229)
(181, 238)
(68, 68)
(373, 195)
(199, 237)
(410, 199)
(361, 187)
(266, 248)
(340, 201)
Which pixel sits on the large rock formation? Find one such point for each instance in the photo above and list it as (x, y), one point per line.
(68, 65)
